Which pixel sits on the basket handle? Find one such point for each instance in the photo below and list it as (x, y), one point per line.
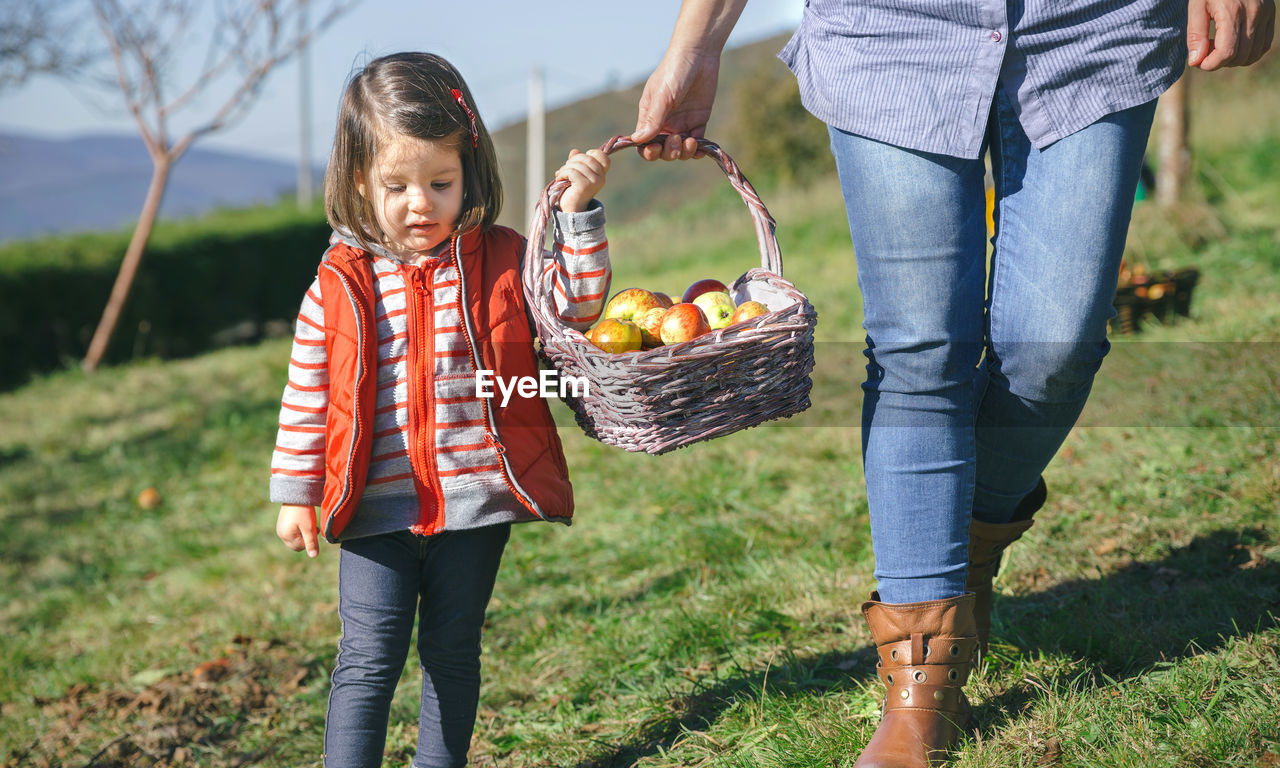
(770, 255)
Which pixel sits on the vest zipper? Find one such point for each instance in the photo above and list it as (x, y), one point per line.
(490, 438)
(420, 373)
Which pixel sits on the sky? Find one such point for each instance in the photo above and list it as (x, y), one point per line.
(581, 46)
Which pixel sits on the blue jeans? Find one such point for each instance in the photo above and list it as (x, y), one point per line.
(975, 376)
(385, 581)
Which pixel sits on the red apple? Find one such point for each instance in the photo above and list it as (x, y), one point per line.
(651, 327)
(747, 310)
(701, 287)
(683, 322)
(718, 307)
(630, 304)
(664, 300)
(614, 335)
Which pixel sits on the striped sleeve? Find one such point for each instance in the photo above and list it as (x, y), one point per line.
(576, 272)
(297, 465)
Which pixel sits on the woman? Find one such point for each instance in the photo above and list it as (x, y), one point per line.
(974, 377)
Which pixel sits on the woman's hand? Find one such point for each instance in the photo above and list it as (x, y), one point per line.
(585, 172)
(1242, 32)
(677, 101)
(296, 527)
(677, 97)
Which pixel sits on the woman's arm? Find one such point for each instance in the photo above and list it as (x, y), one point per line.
(678, 96)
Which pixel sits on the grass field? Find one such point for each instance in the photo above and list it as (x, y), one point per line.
(703, 610)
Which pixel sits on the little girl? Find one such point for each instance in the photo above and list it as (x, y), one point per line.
(416, 476)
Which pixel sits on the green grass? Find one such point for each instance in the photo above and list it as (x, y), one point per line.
(703, 610)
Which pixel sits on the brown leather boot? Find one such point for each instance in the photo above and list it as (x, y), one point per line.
(987, 542)
(926, 651)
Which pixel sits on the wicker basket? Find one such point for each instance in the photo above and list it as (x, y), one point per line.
(661, 399)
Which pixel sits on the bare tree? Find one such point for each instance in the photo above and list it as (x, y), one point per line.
(244, 41)
(36, 37)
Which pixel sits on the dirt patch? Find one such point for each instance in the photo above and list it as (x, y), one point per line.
(180, 719)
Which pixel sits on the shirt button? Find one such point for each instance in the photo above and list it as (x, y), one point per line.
(995, 35)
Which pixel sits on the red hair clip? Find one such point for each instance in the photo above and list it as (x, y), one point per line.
(475, 135)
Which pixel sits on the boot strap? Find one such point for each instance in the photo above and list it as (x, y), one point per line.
(935, 650)
(927, 674)
(988, 541)
(912, 695)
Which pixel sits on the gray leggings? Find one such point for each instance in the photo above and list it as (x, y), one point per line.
(383, 583)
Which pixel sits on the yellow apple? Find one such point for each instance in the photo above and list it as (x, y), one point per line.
(747, 310)
(630, 304)
(718, 307)
(614, 335)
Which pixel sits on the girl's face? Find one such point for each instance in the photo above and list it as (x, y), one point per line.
(415, 187)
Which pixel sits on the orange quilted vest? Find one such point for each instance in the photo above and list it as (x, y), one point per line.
(522, 435)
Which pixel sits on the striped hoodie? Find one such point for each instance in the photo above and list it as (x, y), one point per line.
(577, 274)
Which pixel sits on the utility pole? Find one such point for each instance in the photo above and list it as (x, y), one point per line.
(304, 113)
(536, 145)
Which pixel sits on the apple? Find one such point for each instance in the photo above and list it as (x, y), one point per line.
(149, 498)
(664, 300)
(701, 287)
(651, 327)
(630, 304)
(718, 307)
(747, 310)
(614, 335)
(683, 322)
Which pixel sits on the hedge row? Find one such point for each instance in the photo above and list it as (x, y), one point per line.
(233, 276)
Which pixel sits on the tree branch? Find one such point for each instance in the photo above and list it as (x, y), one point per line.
(36, 38)
(107, 13)
(241, 99)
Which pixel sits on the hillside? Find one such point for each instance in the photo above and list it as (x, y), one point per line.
(98, 182)
(109, 173)
(635, 188)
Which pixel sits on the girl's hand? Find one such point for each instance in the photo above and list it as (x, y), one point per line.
(296, 527)
(585, 173)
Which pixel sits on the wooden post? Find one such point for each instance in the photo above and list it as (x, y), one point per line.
(305, 186)
(1174, 159)
(536, 144)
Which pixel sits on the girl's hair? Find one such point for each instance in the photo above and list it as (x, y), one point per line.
(407, 94)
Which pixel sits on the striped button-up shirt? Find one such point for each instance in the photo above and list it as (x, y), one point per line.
(921, 74)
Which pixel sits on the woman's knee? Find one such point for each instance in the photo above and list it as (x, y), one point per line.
(923, 366)
(1051, 372)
